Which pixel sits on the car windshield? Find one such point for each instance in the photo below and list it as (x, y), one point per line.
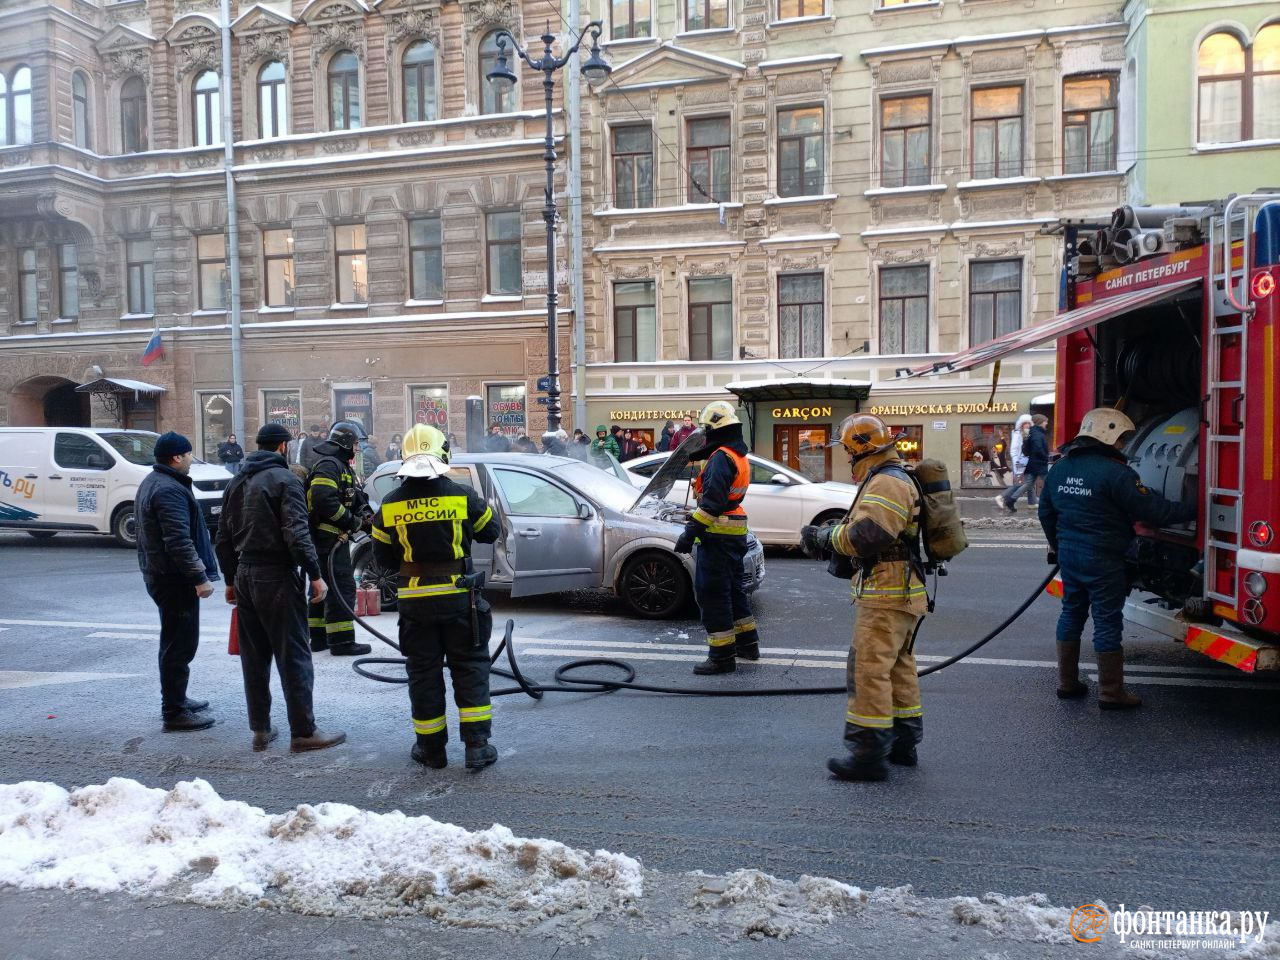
(137, 448)
(602, 486)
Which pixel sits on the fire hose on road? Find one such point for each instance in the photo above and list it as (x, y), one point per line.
(566, 682)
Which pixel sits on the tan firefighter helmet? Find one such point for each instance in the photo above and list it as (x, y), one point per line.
(717, 414)
(1106, 425)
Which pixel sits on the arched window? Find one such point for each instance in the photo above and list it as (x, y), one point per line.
(272, 101)
(419, 73)
(1266, 83)
(80, 109)
(493, 97)
(206, 110)
(15, 107)
(133, 116)
(1220, 69)
(344, 91)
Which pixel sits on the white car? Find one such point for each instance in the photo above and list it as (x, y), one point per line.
(778, 503)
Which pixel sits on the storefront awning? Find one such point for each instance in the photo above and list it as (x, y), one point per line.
(1044, 400)
(800, 388)
(1079, 319)
(120, 385)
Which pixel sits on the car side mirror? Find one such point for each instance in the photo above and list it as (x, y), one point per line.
(585, 512)
(781, 479)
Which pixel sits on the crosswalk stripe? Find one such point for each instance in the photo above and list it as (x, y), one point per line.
(12, 679)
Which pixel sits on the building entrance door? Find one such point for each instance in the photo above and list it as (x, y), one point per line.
(804, 450)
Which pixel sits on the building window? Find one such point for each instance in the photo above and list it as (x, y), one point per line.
(430, 405)
(995, 299)
(80, 110)
(277, 268)
(905, 140)
(996, 133)
(800, 143)
(635, 322)
(911, 446)
(507, 407)
(426, 259)
(211, 264)
(139, 272)
(1089, 123)
(904, 310)
(707, 158)
(215, 422)
(631, 19)
(354, 405)
(68, 281)
(273, 100)
(206, 115)
(418, 73)
(711, 318)
(27, 285)
(15, 107)
(344, 91)
(494, 97)
(1239, 87)
(133, 116)
(706, 14)
(502, 239)
(632, 167)
(352, 263)
(977, 444)
(800, 315)
(795, 9)
(1266, 83)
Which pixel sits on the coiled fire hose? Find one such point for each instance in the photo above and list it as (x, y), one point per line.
(565, 683)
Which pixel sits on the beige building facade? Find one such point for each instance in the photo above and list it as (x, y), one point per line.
(391, 242)
(781, 193)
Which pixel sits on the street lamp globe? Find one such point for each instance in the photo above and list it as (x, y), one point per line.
(501, 75)
(597, 68)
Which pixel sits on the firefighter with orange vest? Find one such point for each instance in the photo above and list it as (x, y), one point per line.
(719, 527)
(883, 722)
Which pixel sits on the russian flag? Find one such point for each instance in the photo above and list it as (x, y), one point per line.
(154, 350)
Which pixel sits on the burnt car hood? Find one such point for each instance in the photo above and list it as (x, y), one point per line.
(672, 469)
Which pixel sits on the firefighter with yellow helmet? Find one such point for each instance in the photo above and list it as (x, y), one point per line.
(719, 527)
(424, 529)
(884, 717)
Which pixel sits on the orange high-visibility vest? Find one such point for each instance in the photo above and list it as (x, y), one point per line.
(741, 481)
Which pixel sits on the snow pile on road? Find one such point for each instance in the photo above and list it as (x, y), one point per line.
(190, 844)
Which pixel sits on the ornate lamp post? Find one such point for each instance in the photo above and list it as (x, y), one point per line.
(596, 69)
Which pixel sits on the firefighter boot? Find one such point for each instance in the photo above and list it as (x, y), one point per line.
(746, 641)
(1111, 692)
(351, 649)
(713, 665)
(869, 749)
(1069, 685)
(429, 751)
(907, 732)
(480, 755)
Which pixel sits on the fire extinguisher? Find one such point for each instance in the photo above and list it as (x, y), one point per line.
(233, 638)
(372, 601)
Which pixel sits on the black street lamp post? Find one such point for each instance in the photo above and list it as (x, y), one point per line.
(595, 70)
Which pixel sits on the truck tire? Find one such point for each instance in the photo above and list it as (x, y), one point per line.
(124, 526)
(654, 585)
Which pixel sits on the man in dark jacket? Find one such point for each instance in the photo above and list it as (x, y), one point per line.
(496, 441)
(230, 453)
(336, 504)
(1091, 500)
(178, 565)
(307, 455)
(555, 443)
(424, 529)
(682, 433)
(1036, 450)
(264, 536)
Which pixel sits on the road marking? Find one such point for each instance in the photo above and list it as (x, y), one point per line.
(12, 679)
(1009, 546)
(1133, 678)
(113, 635)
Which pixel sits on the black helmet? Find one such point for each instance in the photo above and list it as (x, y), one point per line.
(348, 433)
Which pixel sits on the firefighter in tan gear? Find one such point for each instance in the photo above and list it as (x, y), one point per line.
(880, 534)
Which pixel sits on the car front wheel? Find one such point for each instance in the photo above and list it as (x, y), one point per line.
(654, 585)
(369, 573)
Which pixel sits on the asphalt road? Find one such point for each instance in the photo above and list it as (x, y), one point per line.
(1017, 792)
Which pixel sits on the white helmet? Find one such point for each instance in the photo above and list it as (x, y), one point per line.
(1105, 424)
(717, 414)
(426, 453)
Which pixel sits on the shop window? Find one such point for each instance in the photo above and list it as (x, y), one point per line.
(711, 318)
(430, 405)
(996, 133)
(283, 407)
(911, 444)
(905, 139)
(995, 299)
(632, 167)
(418, 74)
(904, 310)
(206, 112)
(426, 259)
(804, 449)
(344, 91)
(140, 282)
(277, 261)
(215, 422)
(707, 159)
(352, 263)
(502, 238)
(211, 266)
(354, 405)
(801, 304)
(631, 19)
(800, 149)
(506, 408)
(273, 101)
(635, 322)
(977, 441)
(1089, 123)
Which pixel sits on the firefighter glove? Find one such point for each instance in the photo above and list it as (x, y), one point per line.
(816, 541)
(685, 543)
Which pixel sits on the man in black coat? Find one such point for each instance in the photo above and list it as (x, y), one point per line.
(230, 453)
(263, 537)
(178, 567)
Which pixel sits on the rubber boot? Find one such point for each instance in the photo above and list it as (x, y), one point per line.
(429, 752)
(907, 732)
(1111, 692)
(1070, 687)
(317, 740)
(263, 737)
(352, 649)
(480, 755)
(749, 650)
(714, 665)
(868, 752)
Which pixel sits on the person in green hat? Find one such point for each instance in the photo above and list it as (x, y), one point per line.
(604, 443)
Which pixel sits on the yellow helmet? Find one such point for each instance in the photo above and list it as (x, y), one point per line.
(426, 452)
(717, 414)
(862, 434)
(1106, 425)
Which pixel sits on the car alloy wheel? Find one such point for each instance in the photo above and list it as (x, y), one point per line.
(369, 573)
(654, 585)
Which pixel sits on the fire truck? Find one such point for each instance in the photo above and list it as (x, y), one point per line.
(1171, 315)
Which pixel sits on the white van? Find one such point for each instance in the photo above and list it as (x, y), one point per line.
(82, 479)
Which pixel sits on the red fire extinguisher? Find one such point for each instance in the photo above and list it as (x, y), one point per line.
(360, 602)
(233, 639)
(372, 601)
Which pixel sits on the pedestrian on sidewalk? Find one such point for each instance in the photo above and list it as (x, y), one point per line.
(230, 453)
(178, 567)
(1022, 482)
(263, 537)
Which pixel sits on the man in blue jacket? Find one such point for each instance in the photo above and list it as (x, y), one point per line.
(1090, 502)
(177, 562)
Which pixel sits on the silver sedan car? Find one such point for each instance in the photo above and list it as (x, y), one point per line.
(567, 525)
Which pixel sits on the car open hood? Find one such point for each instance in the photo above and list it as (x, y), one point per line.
(672, 469)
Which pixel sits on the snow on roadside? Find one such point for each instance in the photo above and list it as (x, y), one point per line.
(190, 844)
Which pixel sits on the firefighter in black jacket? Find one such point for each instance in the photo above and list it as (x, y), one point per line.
(424, 529)
(719, 526)
(336, 504)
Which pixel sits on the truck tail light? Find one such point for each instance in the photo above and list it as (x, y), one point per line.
(1254, 612)
(1261, 534)
(1262, 286)
(1255, 583)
